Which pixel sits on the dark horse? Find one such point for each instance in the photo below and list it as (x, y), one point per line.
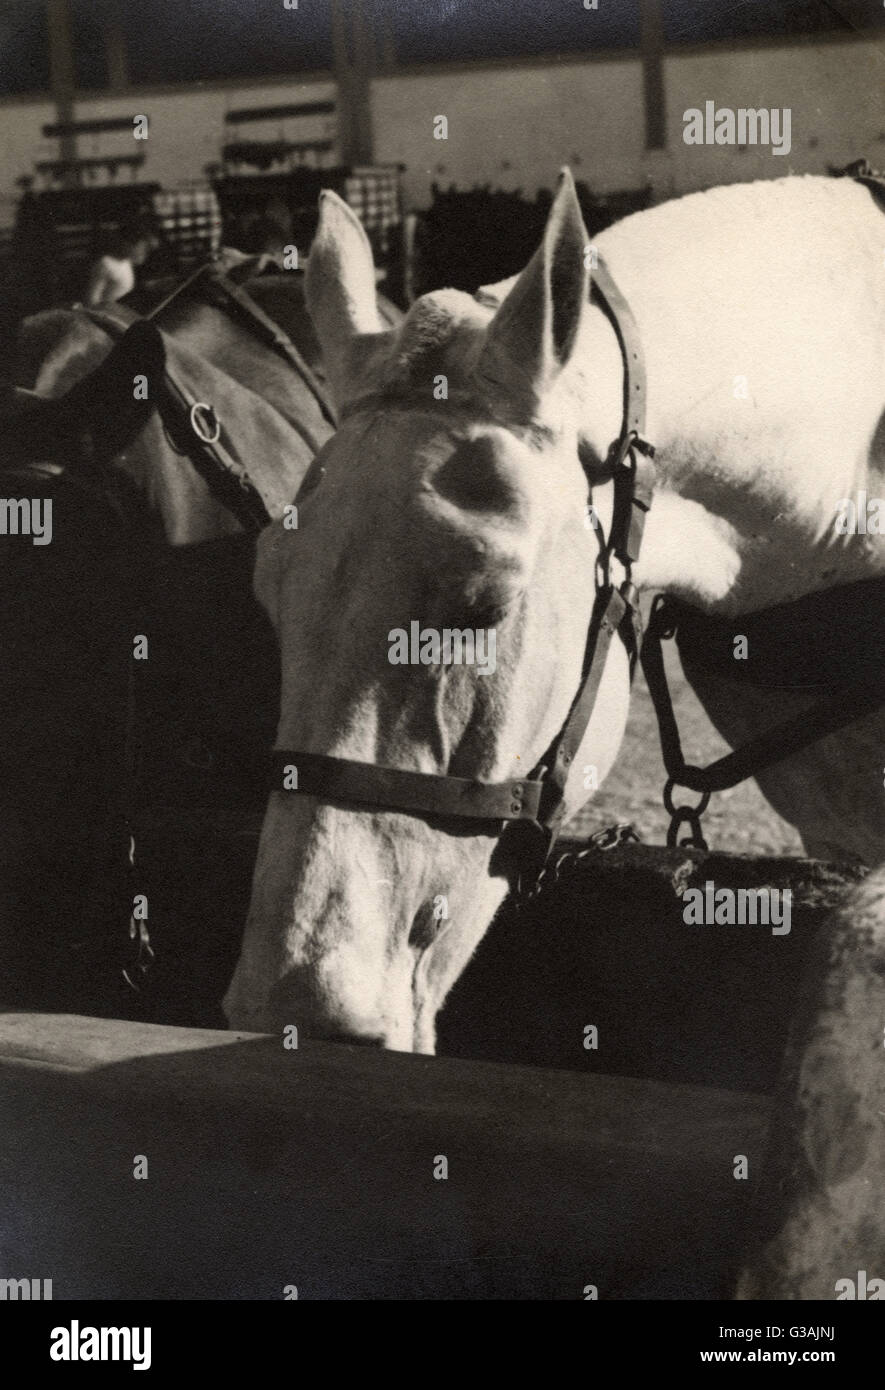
(132, 772)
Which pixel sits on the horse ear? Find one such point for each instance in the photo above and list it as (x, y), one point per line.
(340, 287)
(533, 334)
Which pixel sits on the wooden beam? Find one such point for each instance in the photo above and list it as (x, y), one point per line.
(98, 127)
(60, 167)
(652, 48)
(116, 55)
(353, 57)
(61, 76)
(387, 42)
(315, 1167)
(280, 113)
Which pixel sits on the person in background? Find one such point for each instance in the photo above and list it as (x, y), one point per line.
(113, 275)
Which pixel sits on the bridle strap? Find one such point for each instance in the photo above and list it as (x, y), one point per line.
(616, 610)
(181, 289)
(272, 334)
(609, 613)
(394, 789)
(634, 484)
(193, 426)
(225, 476)
(620, 316)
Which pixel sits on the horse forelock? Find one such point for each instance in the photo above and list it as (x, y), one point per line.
(437, 354)
(441, 335)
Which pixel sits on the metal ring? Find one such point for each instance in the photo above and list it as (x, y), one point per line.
(214, 422)
(685, 816)
(674, 810)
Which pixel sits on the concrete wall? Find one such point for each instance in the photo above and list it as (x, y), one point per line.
(21, 145)
(187, 130)
(834, 91)
(512, 126)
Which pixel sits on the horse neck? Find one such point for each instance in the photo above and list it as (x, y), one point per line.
(750, 465)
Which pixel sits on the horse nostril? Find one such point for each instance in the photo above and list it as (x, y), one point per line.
(356, 1039)
(425, 928)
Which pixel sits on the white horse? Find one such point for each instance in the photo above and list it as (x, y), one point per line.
(453, 494)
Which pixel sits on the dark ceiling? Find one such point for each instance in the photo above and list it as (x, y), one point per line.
(194, 40)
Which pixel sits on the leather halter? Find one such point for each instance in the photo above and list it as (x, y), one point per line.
(194, 426)
(81, 420)
(526, 812)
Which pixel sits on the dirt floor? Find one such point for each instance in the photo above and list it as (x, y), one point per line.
(738, 821)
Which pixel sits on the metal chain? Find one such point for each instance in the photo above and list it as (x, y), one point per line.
(602, 841)
(685, 815)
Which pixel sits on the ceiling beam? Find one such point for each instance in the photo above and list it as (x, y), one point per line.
(61, 78)
(651, 40)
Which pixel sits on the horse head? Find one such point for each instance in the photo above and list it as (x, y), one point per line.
(449, 518)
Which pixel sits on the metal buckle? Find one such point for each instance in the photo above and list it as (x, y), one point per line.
(612, 837)
(643, 445)
(213, 421)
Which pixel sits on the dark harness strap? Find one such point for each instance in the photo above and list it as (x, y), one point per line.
(192, 425)
(849, 702)
(813, 643)
(616, 609)
(394, 789)
(264, 327)
(81, 420)
(195, 429)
